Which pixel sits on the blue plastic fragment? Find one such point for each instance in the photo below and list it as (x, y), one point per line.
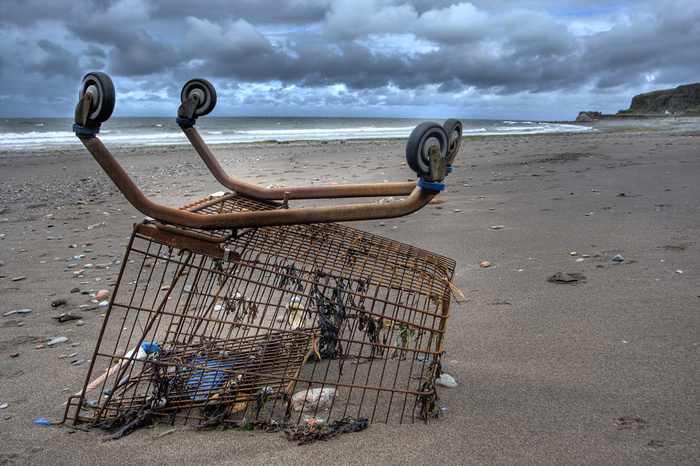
(43, 422)
(150, 347)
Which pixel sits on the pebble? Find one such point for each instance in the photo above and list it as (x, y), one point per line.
(101, 295)
(579, 260)
(381, 224)
(56, 341)
(17, 279)
(14, 355)
(77, 362)
(446, 381)
(4, 405)
(679, 271)
(618, 258)
(485, 264)
(58, 302)
(498, 227)
(80, 323)
(21, 324)
(18, 311)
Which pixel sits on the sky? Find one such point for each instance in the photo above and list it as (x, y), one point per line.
(491, 59)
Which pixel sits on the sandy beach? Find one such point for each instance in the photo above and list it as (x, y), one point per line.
(603, 369)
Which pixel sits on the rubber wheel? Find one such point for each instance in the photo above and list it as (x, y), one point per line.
(453, 128)
(206, 93)
(422, 138)
(103, 96)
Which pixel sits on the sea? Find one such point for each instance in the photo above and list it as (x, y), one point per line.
(20, 136)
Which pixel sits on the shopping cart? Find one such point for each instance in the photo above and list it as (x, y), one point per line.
(240, 309)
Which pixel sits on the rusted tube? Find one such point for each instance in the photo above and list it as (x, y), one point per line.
(303, 192)
(417, 199)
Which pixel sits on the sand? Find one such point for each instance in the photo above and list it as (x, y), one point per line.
(604, 369)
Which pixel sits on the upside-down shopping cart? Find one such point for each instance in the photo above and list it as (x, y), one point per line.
(240, 309)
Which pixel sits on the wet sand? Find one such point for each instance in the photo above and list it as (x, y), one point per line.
(600, 370)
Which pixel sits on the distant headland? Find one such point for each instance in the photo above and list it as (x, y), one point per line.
(682, 101)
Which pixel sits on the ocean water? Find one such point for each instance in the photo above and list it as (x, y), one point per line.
(29, 135)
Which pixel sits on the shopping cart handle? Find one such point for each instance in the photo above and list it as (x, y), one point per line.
(419, 197)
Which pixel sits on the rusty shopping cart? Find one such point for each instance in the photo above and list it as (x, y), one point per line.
(241, 309)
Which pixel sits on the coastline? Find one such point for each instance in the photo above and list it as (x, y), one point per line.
(604, 370)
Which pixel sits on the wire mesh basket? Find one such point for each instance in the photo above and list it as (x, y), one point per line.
(264, 325)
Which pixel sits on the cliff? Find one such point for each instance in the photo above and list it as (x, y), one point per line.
(681, 101)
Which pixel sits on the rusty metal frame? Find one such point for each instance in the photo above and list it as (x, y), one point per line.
(291, 193)
(418, 198)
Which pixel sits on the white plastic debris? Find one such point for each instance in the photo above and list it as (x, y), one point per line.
(312, 400)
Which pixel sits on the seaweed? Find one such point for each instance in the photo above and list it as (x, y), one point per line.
(331, 313)
(312, 430)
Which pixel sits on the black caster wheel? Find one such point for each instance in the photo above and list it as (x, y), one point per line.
(453, 128)
(103, 96)
(206, 93)
(422, 138)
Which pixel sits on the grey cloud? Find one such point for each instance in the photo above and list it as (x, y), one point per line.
(53, 60)
(384, 52)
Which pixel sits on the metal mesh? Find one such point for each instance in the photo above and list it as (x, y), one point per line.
(271, 324)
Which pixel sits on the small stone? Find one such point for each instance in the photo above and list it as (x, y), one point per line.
(573, 253)
(75, 290)
(4, 405)
(21, 324)
(17, 279)
(498, 227)
(101, 295)
(446, 381)
(381, 224)
(80, 323)
(679, 271)
(56, 341)
(18, 311)
(14, 355)
(579, 260)
(618, 258)
(77, 362)
(58, 302)
(485, 264)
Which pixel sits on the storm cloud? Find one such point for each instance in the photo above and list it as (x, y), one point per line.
(532, 59)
